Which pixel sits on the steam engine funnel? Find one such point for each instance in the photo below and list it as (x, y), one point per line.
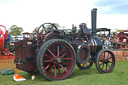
(93, 18)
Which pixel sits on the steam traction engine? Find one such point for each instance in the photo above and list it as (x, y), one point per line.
(53, 53)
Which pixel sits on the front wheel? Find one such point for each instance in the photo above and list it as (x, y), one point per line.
(105, 61)
(56, 59)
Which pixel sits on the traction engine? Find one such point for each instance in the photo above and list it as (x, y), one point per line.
(53, 53)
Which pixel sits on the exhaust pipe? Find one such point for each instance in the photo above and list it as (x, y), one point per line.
(93, 18)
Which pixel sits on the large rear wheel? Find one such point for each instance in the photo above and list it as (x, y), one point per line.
(56, 59)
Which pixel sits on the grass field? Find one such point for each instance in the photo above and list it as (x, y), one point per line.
(119, 76)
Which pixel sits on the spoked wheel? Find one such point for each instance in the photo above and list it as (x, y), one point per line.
(88, 65)
(56, 59)
(105, 61)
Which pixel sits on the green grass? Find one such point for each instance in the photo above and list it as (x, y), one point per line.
(119, 76)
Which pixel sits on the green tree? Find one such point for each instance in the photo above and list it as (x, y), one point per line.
(15, 30)
(57, 25)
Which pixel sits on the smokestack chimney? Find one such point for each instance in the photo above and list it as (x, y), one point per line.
(93, 18)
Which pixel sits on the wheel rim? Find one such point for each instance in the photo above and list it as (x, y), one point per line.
(58, 60)
(106, 61)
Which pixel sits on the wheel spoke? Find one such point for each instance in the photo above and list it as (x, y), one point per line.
(47, 61)
(108, 54)
(51, 53)
(63, 68)
(64, 63)
(57, 50)
(64, 54)
(106, 66)
(103, 66)
(104, 55)
(62, 50)
(101, 57)
(51, 68)
(110, 58)
(67, 58)
(59, 69)
(100, 64)
(55, 70)
(47, 56)
(47, 66)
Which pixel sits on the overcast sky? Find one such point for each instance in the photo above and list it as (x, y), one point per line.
(30, 14)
